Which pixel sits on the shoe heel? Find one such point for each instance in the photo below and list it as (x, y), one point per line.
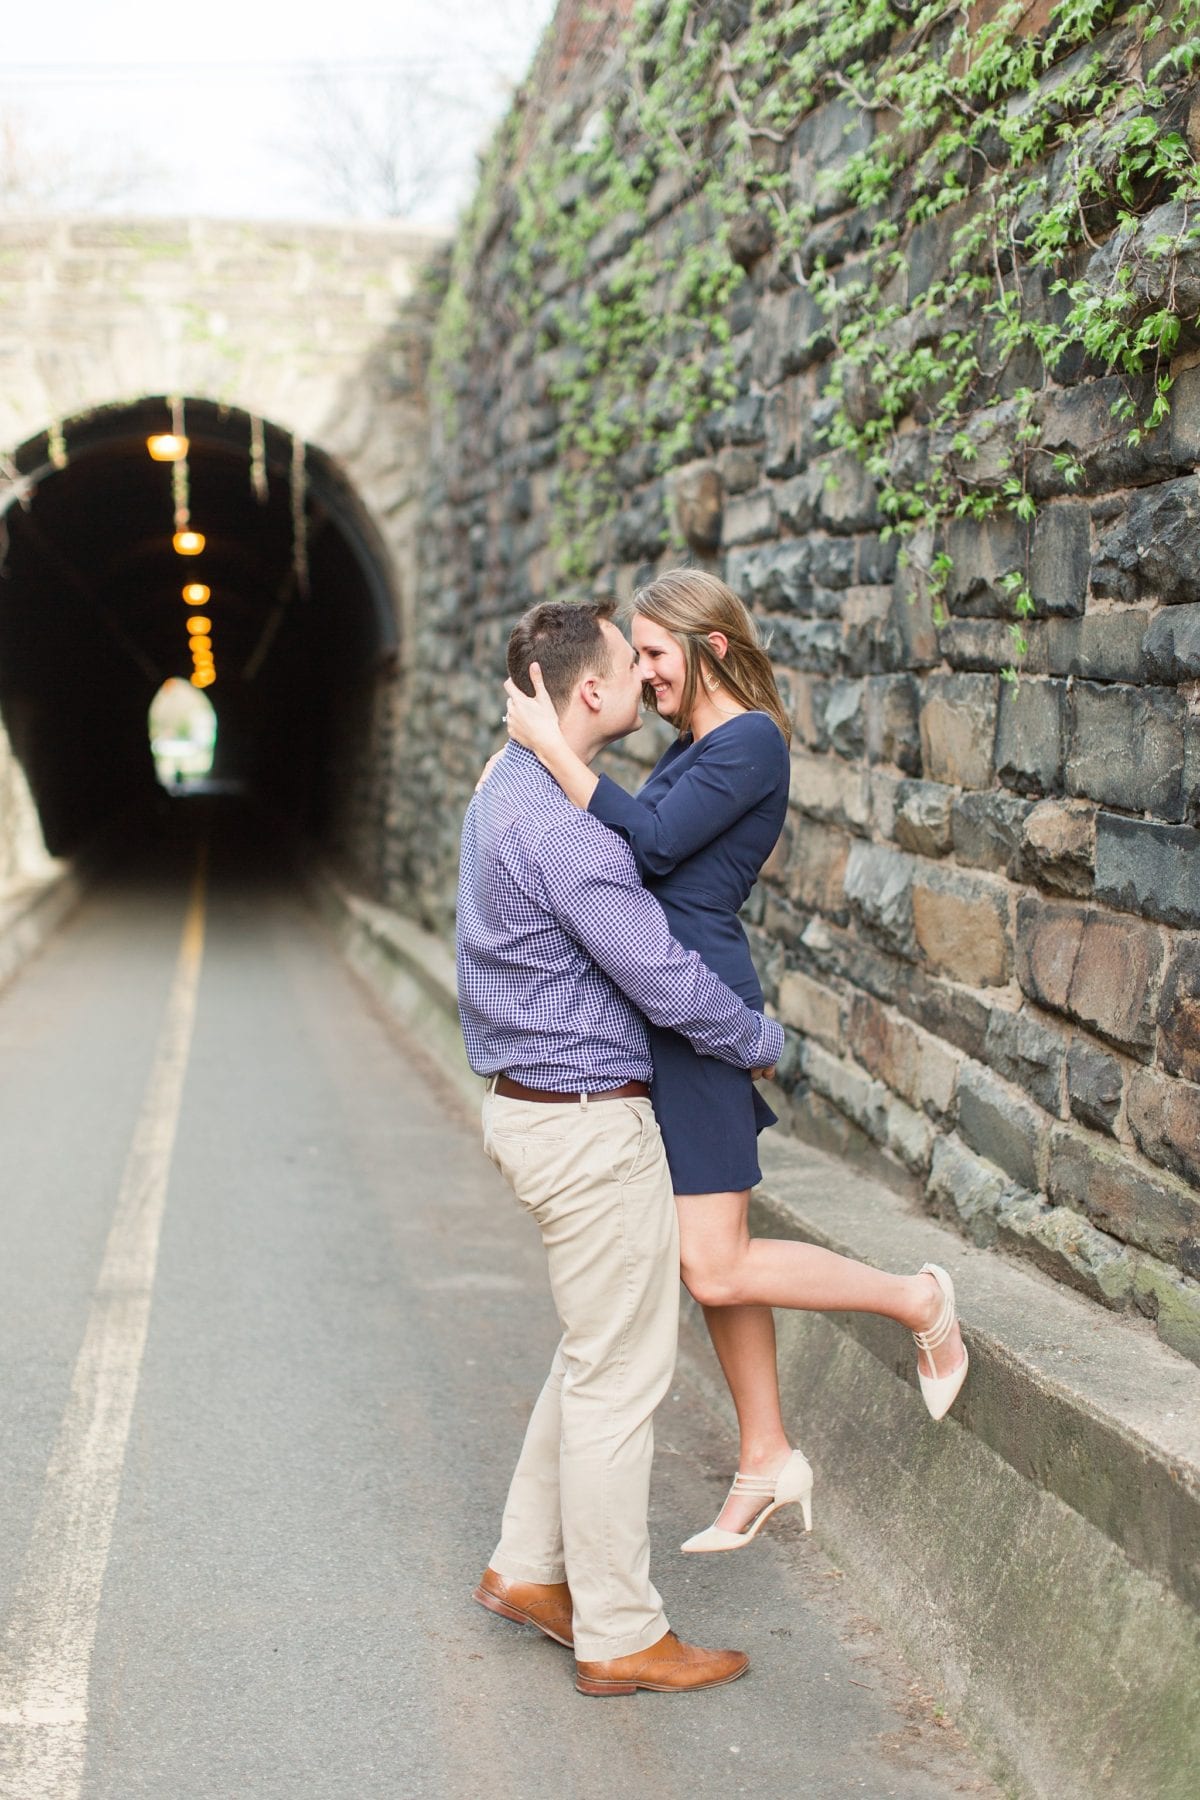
(806, 1509)
(601, 1689)
(498, 1606)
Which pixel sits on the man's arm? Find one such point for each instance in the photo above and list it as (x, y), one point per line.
(590, 883)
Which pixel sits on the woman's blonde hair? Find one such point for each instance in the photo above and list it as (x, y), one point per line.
(689, 603)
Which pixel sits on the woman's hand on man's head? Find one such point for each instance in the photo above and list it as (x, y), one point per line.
(531, 718)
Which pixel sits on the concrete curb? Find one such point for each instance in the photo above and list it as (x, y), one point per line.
(1037, 1554)
(32, 913)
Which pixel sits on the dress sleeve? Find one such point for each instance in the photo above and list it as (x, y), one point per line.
(592, 888)
(738, 765)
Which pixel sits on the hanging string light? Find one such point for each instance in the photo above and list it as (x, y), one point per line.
(186, 541)
(56, 445)
(299, 521)
(258, 461)
(170, 446)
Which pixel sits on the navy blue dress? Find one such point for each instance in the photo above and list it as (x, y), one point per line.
(701, 829)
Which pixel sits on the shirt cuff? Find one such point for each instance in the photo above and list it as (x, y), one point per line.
(772, 1044)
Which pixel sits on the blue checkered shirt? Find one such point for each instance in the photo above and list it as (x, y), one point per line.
(561, 949)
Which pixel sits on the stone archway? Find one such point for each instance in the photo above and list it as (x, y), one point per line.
(319, 332)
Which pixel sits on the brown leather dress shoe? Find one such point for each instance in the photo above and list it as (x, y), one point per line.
(544, 1604)
(667, 1667)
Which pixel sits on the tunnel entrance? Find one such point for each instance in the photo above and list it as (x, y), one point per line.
(292, 583)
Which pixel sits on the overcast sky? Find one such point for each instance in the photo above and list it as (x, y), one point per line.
(218, 97)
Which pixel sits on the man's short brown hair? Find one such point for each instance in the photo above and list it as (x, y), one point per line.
(565, 639)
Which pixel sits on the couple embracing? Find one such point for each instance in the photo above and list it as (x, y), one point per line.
(607, 993)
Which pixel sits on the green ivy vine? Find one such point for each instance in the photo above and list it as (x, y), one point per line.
(1020, 153)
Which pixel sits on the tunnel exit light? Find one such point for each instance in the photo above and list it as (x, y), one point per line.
(195, 593)
(188, 543)
(167, 446)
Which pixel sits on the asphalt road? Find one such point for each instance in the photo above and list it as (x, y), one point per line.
(270, 1327)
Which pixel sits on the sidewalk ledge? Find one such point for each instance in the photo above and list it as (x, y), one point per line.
(31, 912)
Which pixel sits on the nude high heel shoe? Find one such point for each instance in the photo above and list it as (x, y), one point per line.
(939, 1392)
(791, 1487)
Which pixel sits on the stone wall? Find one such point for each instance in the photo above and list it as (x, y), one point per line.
(982, 926)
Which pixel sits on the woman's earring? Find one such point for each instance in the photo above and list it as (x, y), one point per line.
(711, 683)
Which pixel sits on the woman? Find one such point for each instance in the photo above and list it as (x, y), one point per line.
(701, 829)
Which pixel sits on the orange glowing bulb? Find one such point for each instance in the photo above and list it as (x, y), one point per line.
(198, 622)
(167, 446)
(195, 593)
(188, 543)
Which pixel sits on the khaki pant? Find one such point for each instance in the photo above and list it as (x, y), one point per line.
(595, 1179)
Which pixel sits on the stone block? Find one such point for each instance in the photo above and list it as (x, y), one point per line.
(961, 927)
(833, 561)
(1173, 1302)
(1152, 548)
(789, 334)
(1179, 1011)
(827, 788)
(864, 613)
(1095, 1086)
(910, 639)
(893, 733)
(774, 579)
(1149, 869)
(958, 729)
(817, 869)
(1185, 417)
(787, 425)
(1172, 645)
(1000, 1125)
(1055, 553)
(922, 817)
(909, 1136)
(878, 886)
(742, 423)
(1106, 646)
(811, 1008)
(813, 644)
(739, 470)
(1058, 847)
(1030, 736)
(1141, 1206)
(797, 500)
(964, 1188)
(1099, 969)
(749, 518)
(986, 830)
(839, 713)
(1164, 1117)
(853, 1093)
(847, 499)
(986, 645)
(698, 499)
(1125, 748)
(1028, 1053)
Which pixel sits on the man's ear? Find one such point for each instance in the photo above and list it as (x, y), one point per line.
(589, 693)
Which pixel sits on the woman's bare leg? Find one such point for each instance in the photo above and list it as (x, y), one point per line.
(744, 1340)
(731, 1273)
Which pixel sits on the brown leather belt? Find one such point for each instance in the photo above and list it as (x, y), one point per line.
(516, 1090)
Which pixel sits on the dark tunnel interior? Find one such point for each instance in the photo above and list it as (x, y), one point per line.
(93, 619)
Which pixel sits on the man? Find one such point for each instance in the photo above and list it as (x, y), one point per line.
(560, 952)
